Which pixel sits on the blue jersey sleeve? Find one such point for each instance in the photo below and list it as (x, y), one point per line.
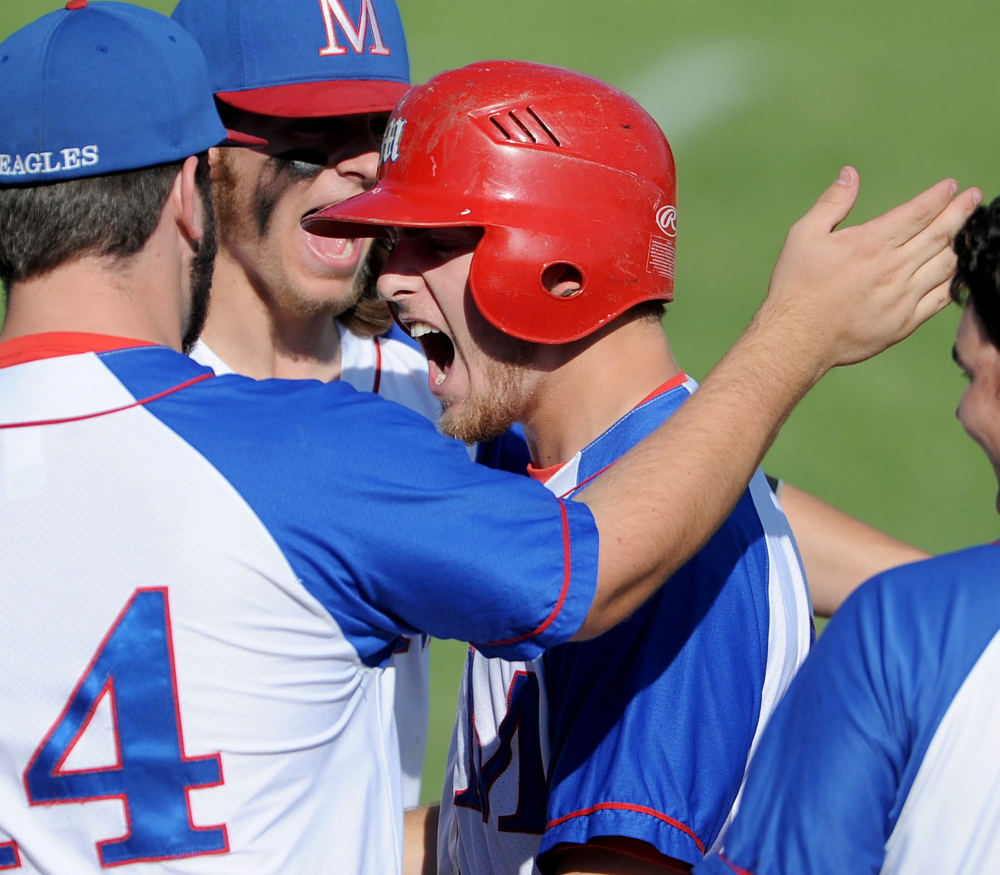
(823, 779)
(835, 765)
(388, 524)
(651, 724)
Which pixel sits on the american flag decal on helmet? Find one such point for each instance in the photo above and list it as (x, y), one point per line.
(662, 252)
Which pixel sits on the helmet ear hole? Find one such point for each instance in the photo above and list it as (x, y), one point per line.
(562, 280)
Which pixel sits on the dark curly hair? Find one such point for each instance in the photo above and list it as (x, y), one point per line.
(977, 278)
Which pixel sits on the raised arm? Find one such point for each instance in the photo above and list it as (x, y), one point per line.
(836, 297)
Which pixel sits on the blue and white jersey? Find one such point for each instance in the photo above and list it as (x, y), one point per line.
(203, 580)
(393, 367)
(882, 756)
(646, 731)
(389, 365)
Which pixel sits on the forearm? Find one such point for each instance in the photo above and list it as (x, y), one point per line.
(839, 552)
(420, 840)
(693, 470)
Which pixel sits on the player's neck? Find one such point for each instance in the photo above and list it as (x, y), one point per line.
(584, 396)
(254, 337)
(140, 299)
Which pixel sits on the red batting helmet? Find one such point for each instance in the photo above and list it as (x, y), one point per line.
(555, 166)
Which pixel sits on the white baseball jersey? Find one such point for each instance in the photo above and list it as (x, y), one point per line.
(883, 757)
(393, 367)
(204, 578)
(646, 731)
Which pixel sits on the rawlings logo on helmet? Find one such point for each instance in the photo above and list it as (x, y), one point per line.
(666, 220)
(390, 140)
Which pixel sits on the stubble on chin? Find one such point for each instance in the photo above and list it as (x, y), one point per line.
(486, 414)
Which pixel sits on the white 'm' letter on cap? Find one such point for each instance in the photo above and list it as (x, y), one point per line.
(332, 9)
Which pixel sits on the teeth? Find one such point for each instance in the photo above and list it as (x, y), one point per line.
(419, 329)
(439, 379)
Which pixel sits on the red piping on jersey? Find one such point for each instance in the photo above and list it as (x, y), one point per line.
(587, 480)
(155, 397)
(628, 806)
(733, 866)
(378, 365)
(544, 474)
(55, 344)
(567, 557)
(672, 383)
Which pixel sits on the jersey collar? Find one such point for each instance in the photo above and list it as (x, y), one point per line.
(52, 344)
(543, 475)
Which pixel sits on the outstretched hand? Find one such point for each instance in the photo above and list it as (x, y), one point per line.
(842, 296)
(836, 297)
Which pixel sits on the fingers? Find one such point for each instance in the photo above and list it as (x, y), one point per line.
(850, 293)
(931, 286)
(907, 220)
(834, 205)
(939, 234)
(933, 271)
(932, 303)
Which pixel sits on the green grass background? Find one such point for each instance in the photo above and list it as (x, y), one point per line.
(906, 92)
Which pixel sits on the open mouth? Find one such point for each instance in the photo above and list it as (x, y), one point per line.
(438, 348)
(334, 248)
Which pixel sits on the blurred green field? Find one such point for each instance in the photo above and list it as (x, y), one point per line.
(763, 104)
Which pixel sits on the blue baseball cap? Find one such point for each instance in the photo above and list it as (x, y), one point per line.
(98, 88)
(301, 58)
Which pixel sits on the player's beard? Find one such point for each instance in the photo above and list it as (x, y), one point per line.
(487, 413)
(202, 266)
(249, 216)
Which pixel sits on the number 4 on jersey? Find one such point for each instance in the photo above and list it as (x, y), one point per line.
(520, 721)
(133, 667)
(9, 856)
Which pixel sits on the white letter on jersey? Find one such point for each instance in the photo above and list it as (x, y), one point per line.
(332, 9)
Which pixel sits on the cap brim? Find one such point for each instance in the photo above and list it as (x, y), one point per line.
(318, 99)
(238, 138)
(369, 214)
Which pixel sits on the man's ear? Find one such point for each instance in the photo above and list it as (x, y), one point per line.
(189, 205)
